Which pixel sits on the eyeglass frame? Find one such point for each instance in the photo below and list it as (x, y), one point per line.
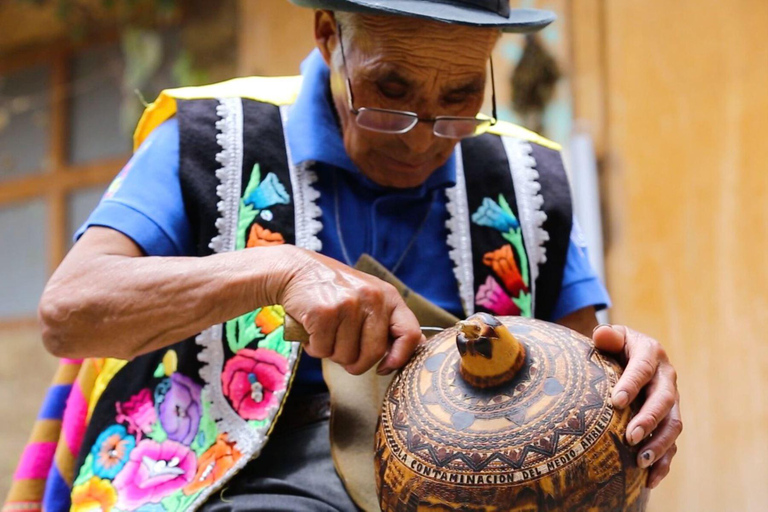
(417, 119)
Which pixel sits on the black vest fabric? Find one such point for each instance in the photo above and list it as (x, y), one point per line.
(172, 426)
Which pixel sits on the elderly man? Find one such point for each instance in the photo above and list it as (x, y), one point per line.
(253, 193)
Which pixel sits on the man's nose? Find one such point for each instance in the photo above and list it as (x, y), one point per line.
(420, 138)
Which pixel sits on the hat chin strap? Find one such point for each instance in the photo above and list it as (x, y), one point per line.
(500, 7)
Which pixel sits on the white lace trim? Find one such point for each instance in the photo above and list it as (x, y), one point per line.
(248, 440)
(459, 241)
(529, 206)
(230, 138)
(305, 197)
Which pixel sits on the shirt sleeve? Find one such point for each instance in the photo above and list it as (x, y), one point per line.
(581, 286)
(144, 202)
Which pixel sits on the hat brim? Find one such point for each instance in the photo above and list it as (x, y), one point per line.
(519, 20)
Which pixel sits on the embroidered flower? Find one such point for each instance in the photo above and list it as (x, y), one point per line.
(492, 297)
(269, 192)
(154, 471)
(111, 451)
(251, 379)
(138, 412)
(213, 464)
(492, 215)
(94, 494)
(262, 237)
(270, 318)
(179, 407)
(503, 263)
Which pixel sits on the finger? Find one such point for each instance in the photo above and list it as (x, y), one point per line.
(664, 438)
(661, 469)
(643, 358)
(321, 326)
(660, 397)
(346, 347)
(374, 343)
(406, 335)
(610, 338)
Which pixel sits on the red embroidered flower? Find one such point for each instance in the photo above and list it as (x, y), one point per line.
(251, 379)
(503, 263)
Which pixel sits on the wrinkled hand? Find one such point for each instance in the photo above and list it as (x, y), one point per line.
(658, 423)
(352, 318)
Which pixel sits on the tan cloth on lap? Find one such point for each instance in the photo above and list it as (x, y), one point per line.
(356, 400)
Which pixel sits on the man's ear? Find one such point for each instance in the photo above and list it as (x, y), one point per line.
(326, 37)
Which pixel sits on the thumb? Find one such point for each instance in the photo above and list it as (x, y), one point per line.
(406, 334)
(610, 338)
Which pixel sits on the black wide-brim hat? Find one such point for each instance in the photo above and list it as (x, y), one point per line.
(476, 13)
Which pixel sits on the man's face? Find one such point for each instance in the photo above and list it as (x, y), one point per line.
(398, 63)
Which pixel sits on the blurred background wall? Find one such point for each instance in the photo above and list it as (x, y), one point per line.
(662, 108)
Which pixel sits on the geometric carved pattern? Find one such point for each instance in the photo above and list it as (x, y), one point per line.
(546, 418)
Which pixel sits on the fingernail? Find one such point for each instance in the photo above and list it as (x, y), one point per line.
(636, 436)
(620, 399)
(383, 370)
(599, 326)
(646, 459)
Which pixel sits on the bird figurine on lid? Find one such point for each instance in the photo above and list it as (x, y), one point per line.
(506, 414)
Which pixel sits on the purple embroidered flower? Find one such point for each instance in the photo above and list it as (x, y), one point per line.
(179, 407)
(269, 192)
(492, 215)
(138, 412)
(154, 471)
(492, 297)
(111, 451)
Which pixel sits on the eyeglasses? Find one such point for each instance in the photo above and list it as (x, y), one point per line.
(400, 121)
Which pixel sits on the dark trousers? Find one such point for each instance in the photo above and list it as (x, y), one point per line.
(294, 473)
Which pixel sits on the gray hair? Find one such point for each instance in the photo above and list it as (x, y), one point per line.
(350, 24)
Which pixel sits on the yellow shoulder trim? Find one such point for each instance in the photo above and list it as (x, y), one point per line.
(512, 130)
(276, 90)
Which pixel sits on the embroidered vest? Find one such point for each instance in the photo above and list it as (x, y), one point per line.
(169, 428)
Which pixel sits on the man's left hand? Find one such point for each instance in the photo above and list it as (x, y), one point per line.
(647, 368)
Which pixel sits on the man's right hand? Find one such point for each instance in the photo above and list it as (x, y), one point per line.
(107, 299)
(352, 318)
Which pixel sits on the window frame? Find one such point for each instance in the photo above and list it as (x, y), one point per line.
(55, 183)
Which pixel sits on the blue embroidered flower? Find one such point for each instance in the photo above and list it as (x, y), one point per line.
(492, 215)
(269, 192)
(111, 451)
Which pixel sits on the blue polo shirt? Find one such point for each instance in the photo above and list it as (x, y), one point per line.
(404, 229)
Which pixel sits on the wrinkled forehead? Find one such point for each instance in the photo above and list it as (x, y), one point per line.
(410, 43)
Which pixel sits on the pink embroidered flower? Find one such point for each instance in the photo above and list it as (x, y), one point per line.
(491, 296)
(138, 412)
(154, 471)
(251, 379)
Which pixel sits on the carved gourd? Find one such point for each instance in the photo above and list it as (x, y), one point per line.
(506, 413)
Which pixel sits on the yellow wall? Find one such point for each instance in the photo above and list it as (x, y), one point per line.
(686, 102)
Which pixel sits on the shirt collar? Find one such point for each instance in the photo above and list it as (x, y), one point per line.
(313, 132)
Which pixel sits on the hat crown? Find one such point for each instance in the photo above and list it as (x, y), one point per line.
(500, 7)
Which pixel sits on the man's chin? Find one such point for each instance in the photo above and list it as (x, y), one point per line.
(393, 179)
(394, 174)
